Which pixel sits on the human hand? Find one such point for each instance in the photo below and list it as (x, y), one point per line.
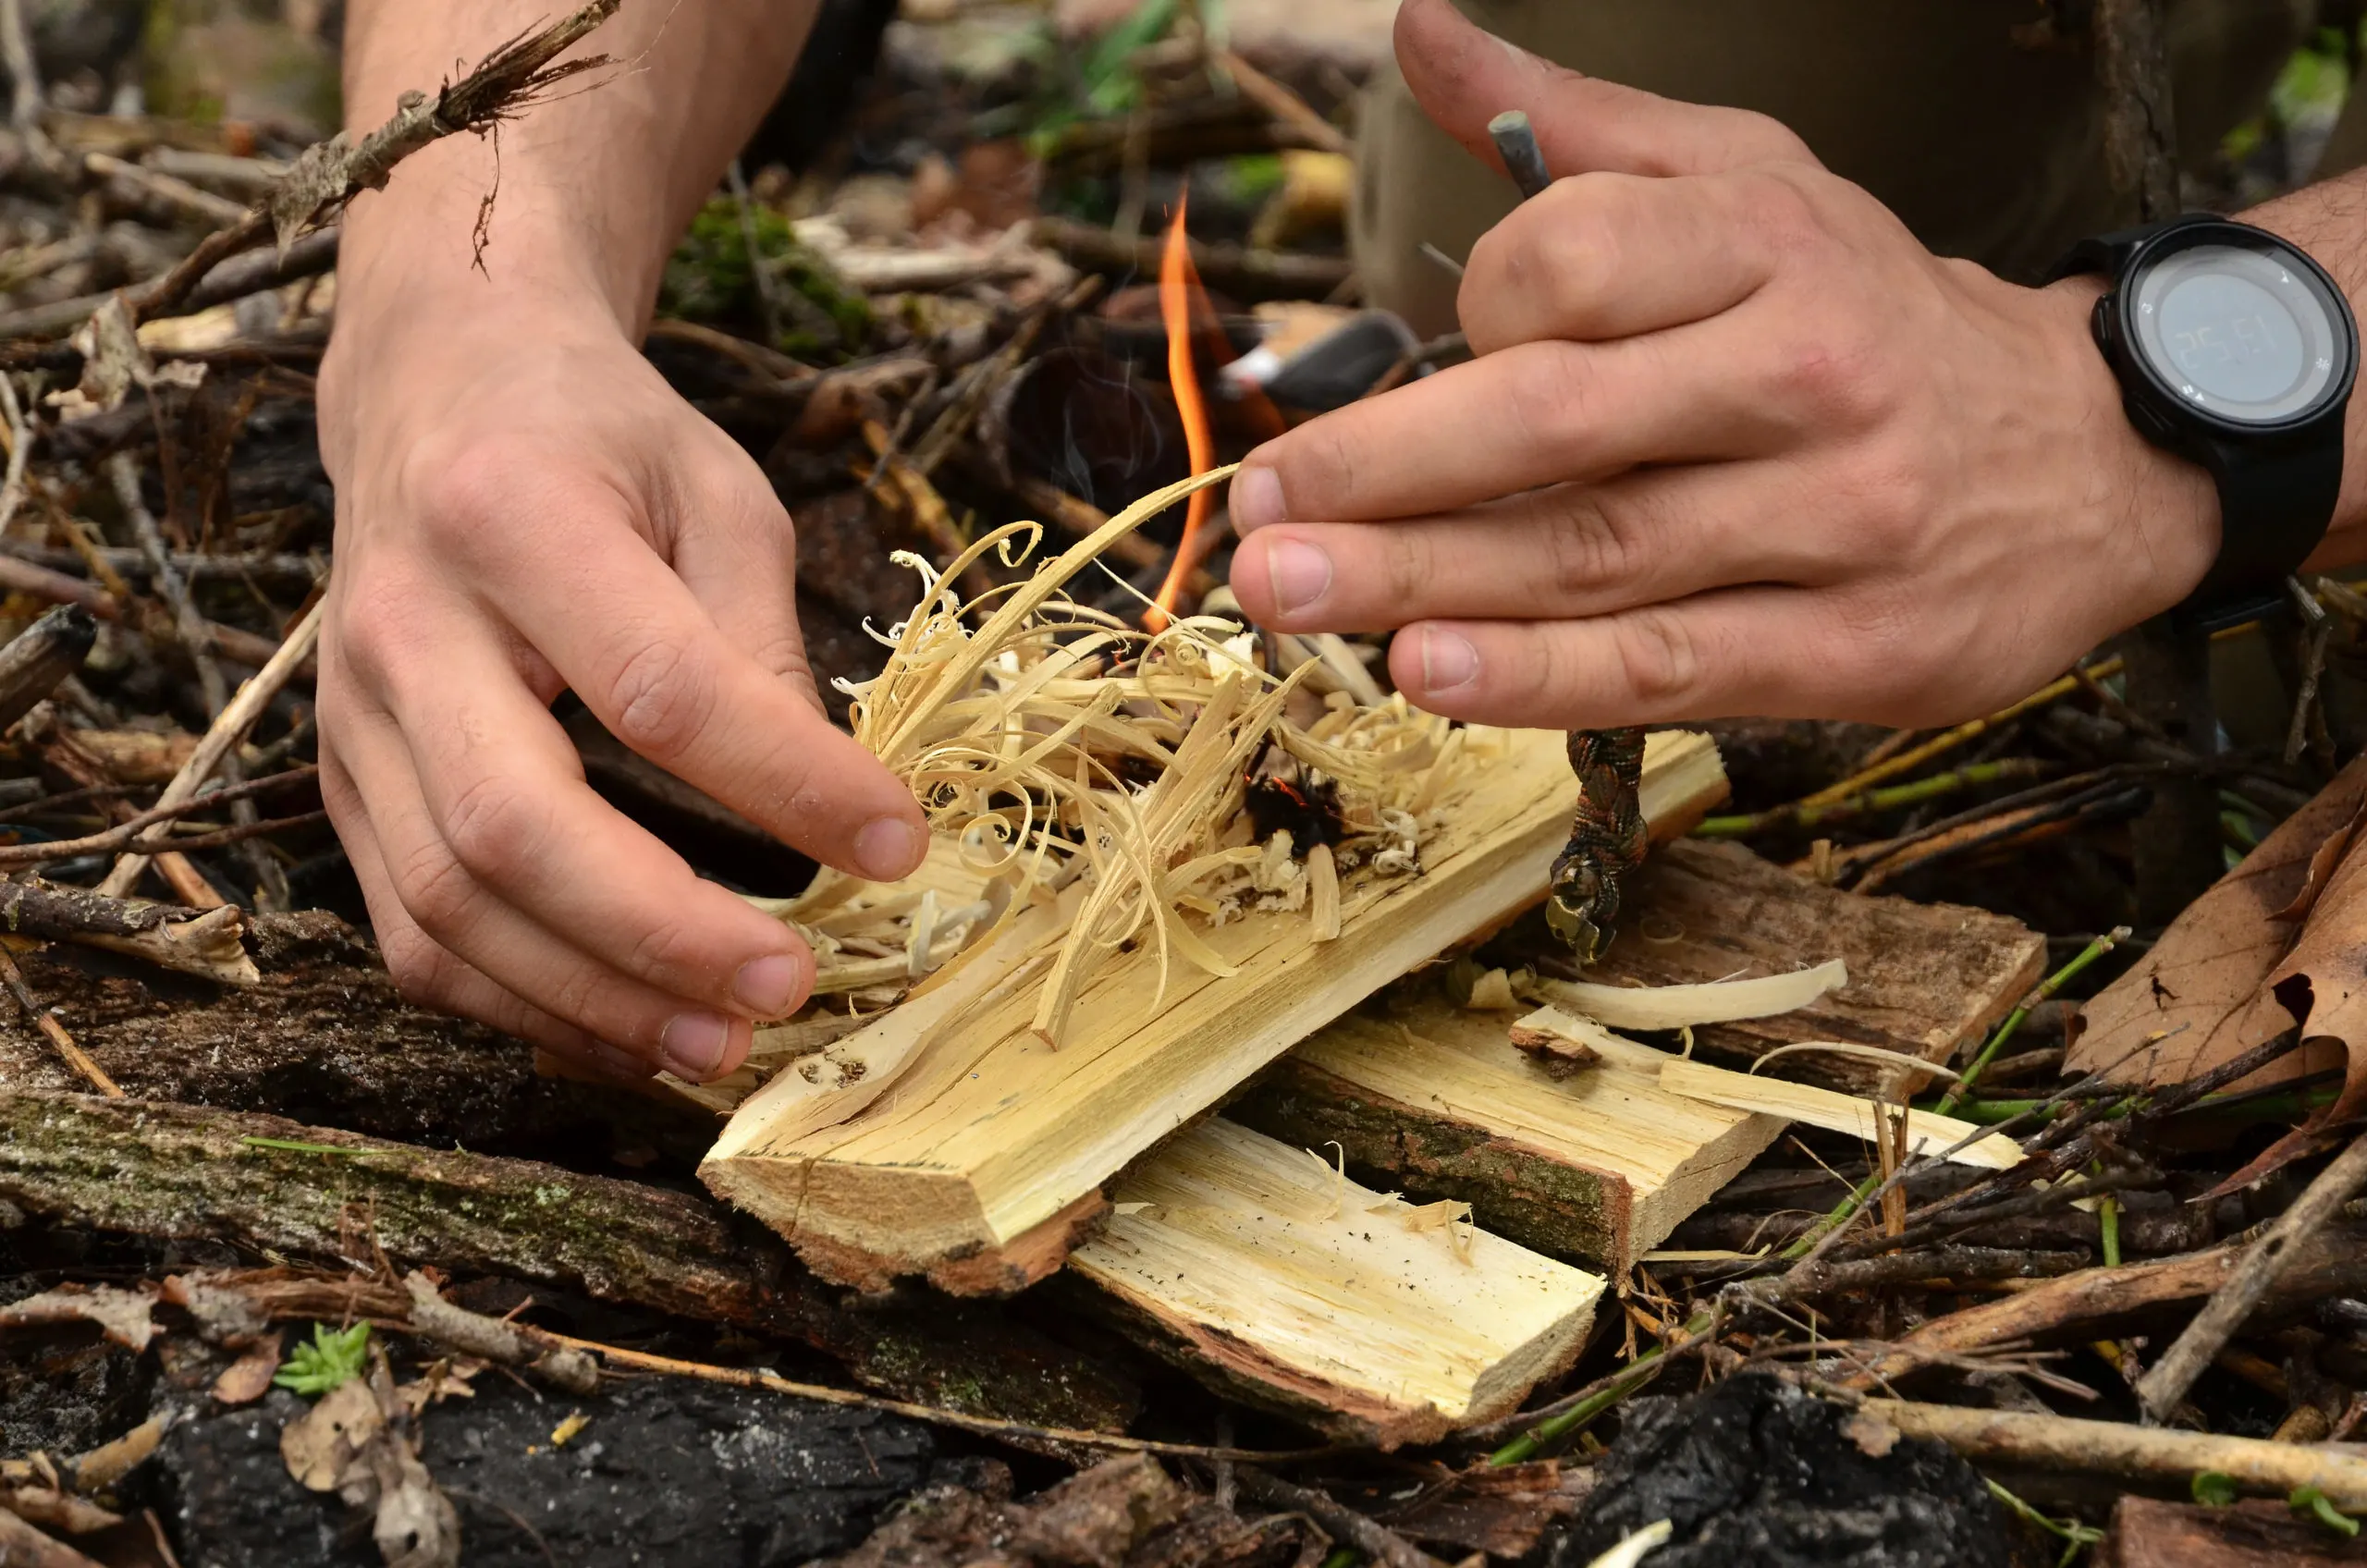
(1734, 444)
(524, 505)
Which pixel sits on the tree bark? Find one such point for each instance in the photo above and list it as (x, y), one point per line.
(187, 1172)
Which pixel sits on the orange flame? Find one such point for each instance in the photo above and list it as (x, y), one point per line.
(1179, 291)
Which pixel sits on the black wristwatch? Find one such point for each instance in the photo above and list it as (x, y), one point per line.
(2235, 350)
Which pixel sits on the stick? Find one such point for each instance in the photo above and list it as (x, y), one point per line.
(241, 647)
(1278, 100)
(2161, 1389)
(2110, 1447)
(229, 726)
(40, 656)
(208, 945)
(332, 173)
(986, 1426)
(1377, 1541)
(47, 1022)
(491, 1339)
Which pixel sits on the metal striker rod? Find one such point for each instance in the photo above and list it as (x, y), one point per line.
(1516, 141)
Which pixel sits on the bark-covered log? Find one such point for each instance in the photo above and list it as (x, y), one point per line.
(264, 1183)
(326, 1039)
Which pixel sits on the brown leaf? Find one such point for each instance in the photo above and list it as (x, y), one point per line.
(249, 1377)
(324, 1447)
(56, 1509)
(122, 1314)
(2322, 982)
(2203, 991)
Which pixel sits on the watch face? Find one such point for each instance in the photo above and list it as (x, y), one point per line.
(2241, 332)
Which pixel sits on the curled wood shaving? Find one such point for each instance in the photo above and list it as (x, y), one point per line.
(1053, 743)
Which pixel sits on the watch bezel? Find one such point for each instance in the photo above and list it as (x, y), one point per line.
(2166, 400)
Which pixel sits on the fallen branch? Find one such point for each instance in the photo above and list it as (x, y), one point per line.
(229, 726)
(490, 1338)
(41, 1018)
(40, 657)
(207, 945)
(332, 173)
(151, 1168)
(1377, 1541)
(2162, 1387)
(2111, 1448)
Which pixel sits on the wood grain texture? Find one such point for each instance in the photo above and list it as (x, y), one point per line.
(1924, 979)
(1262, 1272)
(990, 1132)
(1601, 1164)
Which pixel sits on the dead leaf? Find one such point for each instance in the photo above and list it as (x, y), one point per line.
(122, 1314)
(55, 1510)
(1874, 1437)
(324, 1447)
(2200, 997)
(2321, 983)
(2321, 863)
(249, 1377)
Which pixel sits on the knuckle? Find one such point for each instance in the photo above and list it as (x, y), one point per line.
(661, 697)
(666, 951)
(494, 828)
(1585, 554)
(1657, 657)
(1836, 377)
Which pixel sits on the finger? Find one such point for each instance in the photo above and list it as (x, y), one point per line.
(1771, 651)
(1570, 550)
(638, 647)
(740, 562)
(429, 975)
(1609, 255)
(448, 911)
(509, 806)
(1463, 77)
(1534, 414)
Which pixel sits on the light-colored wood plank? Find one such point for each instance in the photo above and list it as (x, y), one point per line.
(1599, 1164)
(989, 1133)
(1262, 1272)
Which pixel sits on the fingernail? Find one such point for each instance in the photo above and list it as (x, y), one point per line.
(1257, 500)
(888, 848)
(693, 1043)
(1300, 574)
(768, 986)
(1448, 660)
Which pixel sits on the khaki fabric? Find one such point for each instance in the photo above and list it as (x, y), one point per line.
(1987, 149)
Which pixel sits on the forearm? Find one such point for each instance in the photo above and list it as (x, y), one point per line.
(2330, 221)
(592, 184)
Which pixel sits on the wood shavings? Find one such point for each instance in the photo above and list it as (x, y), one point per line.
(1052, 742)
(1672, 1007)
(1339, 1174)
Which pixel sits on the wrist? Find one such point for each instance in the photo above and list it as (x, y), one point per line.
(2157, 513)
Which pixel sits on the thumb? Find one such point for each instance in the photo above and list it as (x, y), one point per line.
(1464, 76)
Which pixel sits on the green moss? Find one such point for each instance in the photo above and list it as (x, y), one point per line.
(709, 279)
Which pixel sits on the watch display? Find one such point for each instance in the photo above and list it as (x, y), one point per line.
(2238, 332)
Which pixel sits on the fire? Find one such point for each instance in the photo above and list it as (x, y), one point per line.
(1179, 292)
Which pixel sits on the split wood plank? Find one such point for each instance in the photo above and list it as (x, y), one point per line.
(1599, 1165)
(1924, 979)
(982, 1163)
(1277, 1281)
(1927, 1134)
